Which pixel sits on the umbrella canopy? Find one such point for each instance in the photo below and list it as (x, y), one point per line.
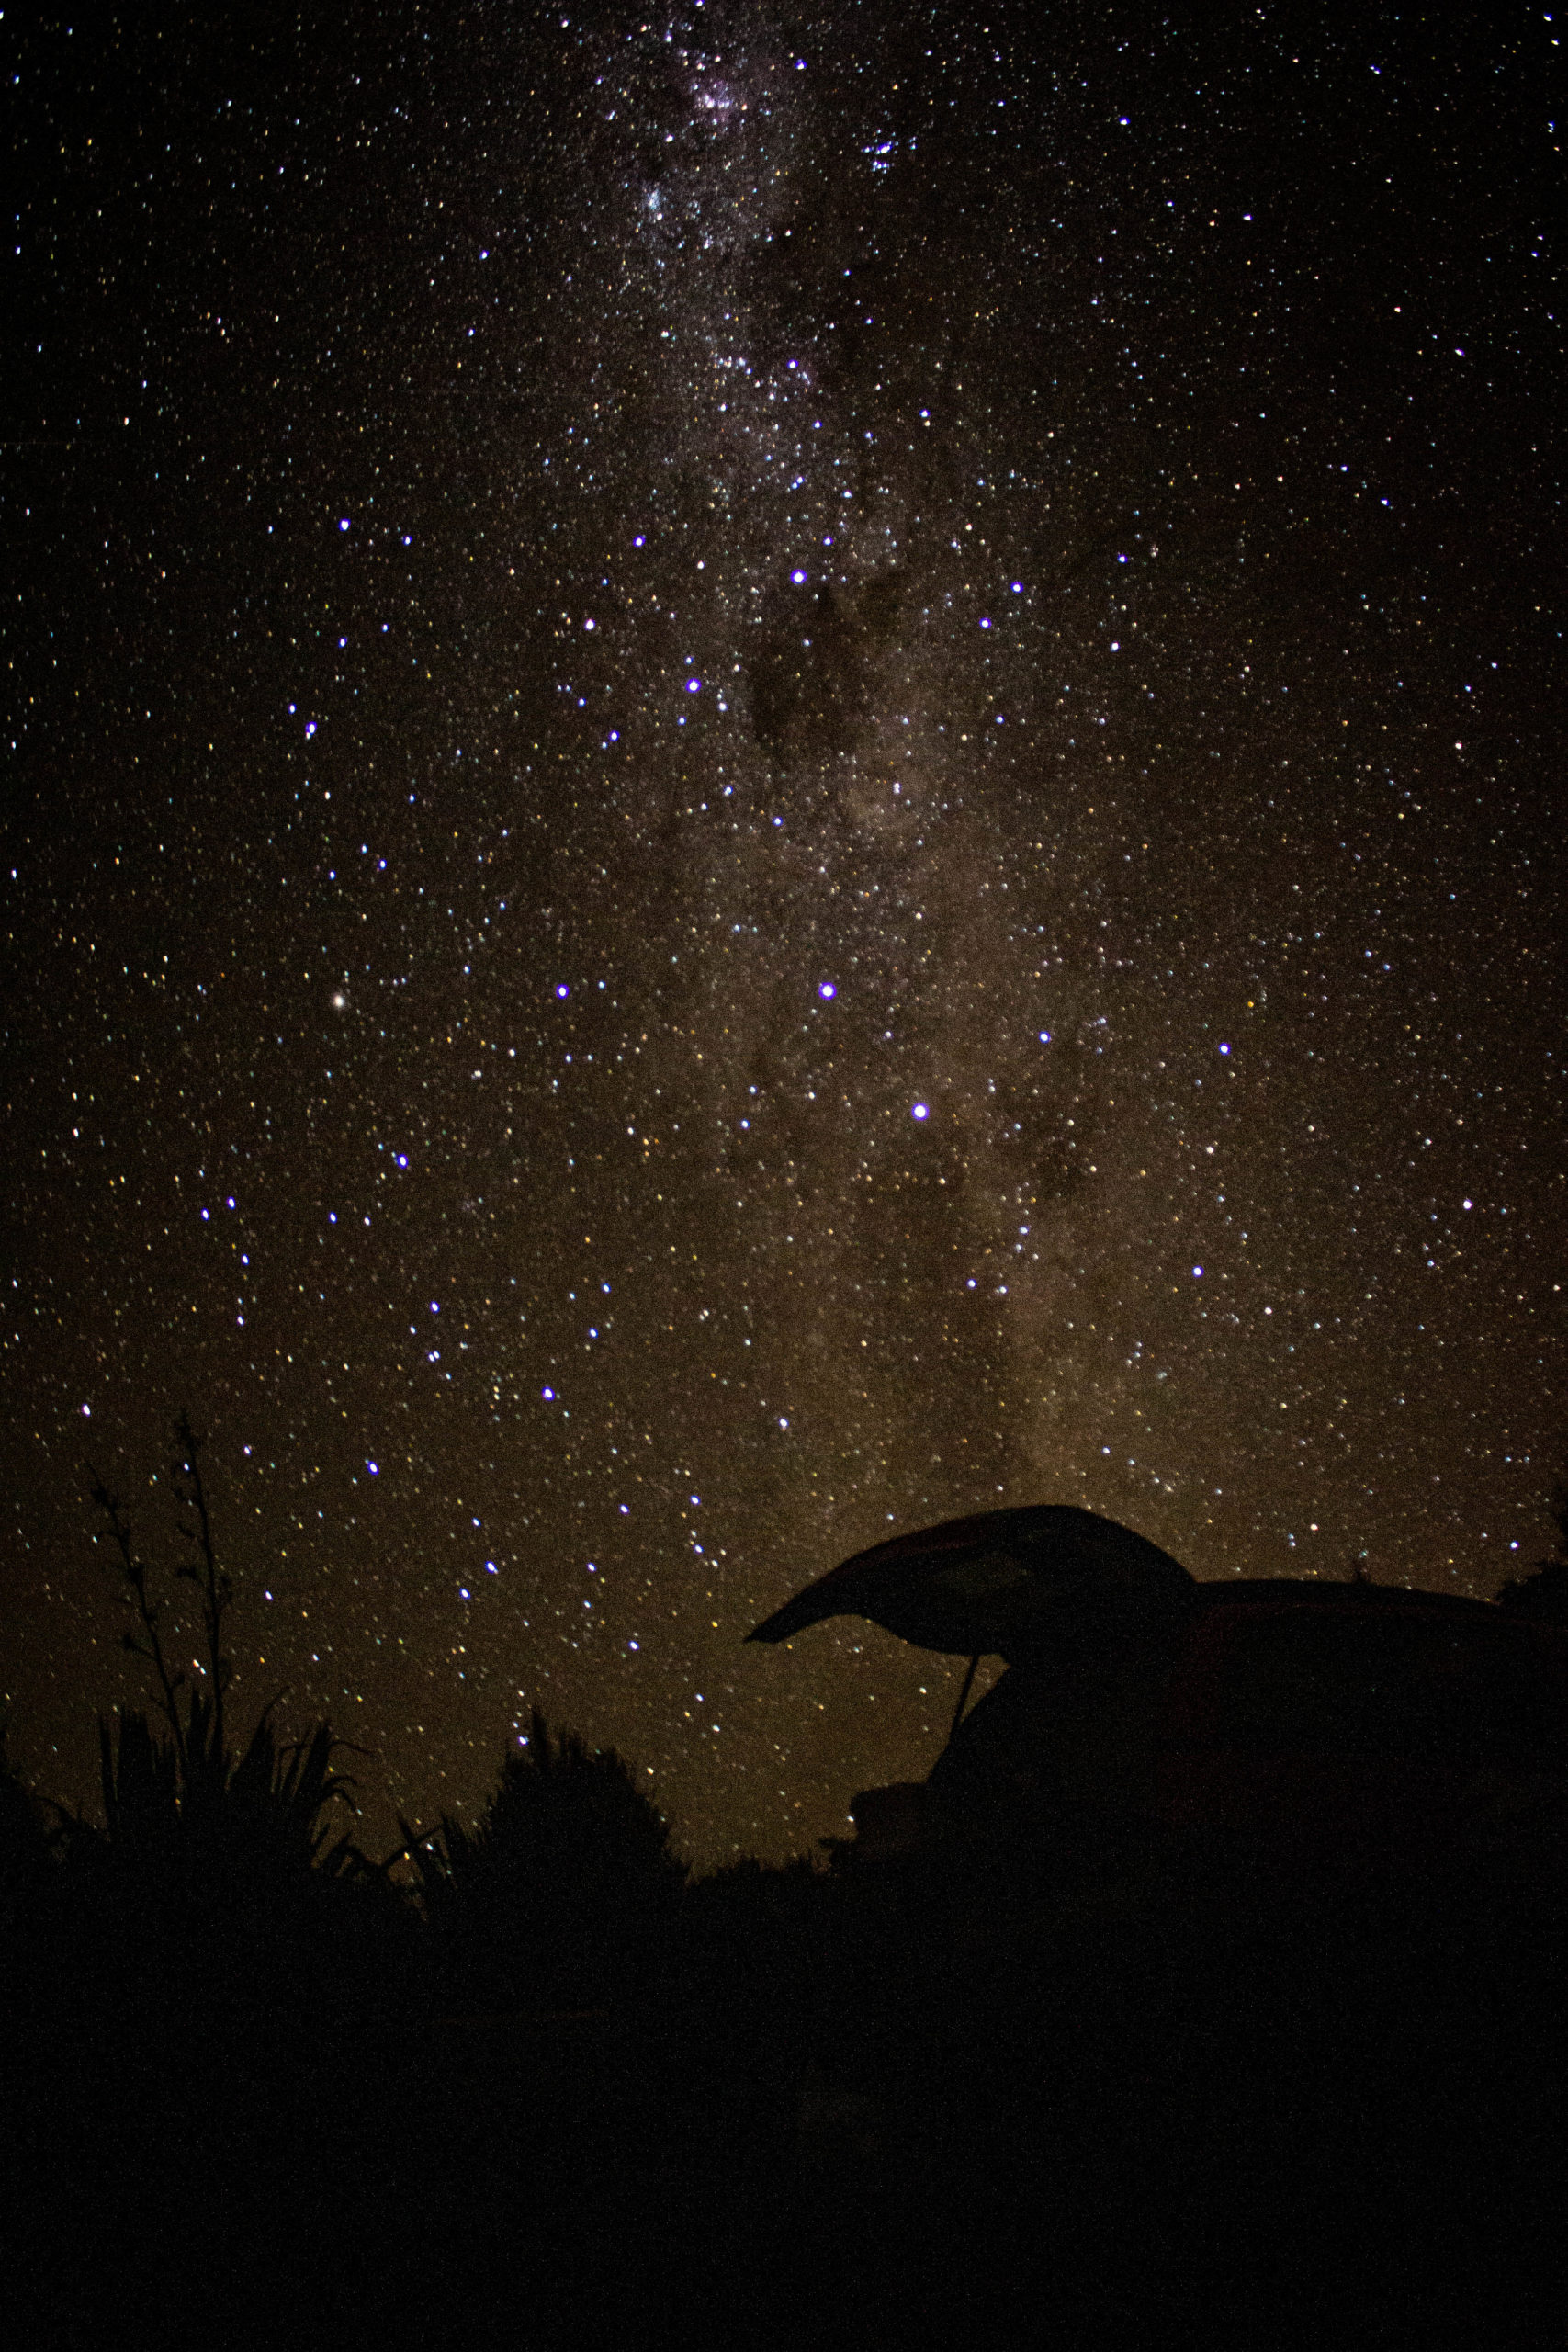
(1024, 1585)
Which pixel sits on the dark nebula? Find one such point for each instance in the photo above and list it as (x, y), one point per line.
(768, 776)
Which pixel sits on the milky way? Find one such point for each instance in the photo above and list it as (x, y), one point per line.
(771, 776)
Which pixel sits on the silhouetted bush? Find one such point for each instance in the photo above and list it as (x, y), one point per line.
(559, 1896)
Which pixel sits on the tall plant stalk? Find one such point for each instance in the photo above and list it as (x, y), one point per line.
(215, 1585)
(148, 1641)
(189, 1793)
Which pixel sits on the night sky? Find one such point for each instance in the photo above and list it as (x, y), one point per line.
(768, 776)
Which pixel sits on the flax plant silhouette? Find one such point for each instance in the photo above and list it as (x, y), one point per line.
(183, 1808)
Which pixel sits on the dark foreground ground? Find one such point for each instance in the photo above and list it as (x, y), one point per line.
(1129, 2096)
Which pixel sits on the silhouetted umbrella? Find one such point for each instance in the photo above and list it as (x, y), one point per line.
(1025, 1585)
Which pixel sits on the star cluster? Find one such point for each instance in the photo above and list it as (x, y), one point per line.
(770, 776)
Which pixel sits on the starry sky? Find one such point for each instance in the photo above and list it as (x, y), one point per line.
(768, 774)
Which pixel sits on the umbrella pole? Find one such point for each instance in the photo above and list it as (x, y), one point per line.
(963, 1695)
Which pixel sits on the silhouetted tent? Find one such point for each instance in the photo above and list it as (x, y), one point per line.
(1031, 1585)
